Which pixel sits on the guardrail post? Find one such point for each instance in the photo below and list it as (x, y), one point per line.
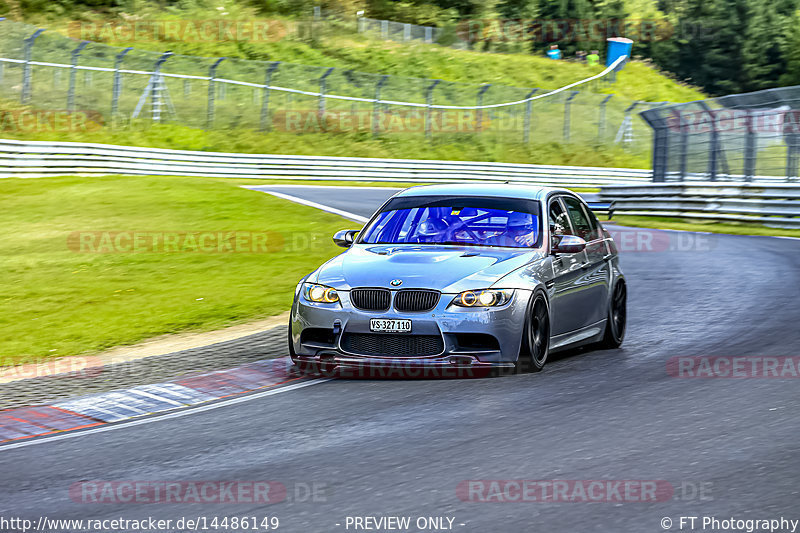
(117, 84)
(429, 102)
(265, 122)
(384, 29)
(526, 123)
(212, 74)
(750, 153)
(72, 72)
(361, 24)
(26, 71)
(376, 106)
(322, 87)
(567, 105)
(406, 32)
(479, 111)
(428, 34)
(601, 121)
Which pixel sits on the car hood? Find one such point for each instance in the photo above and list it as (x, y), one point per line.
(445, 268)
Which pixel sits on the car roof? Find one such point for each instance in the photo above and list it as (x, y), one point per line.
(495, 190)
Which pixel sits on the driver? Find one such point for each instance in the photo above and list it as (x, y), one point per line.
(432, 230)
(521, 230)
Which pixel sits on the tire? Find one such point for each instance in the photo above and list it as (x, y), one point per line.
(535, 337)
(617, 317)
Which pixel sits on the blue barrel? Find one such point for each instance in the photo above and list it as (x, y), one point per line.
(618, 47)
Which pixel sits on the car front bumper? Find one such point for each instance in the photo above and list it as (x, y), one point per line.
(498, 330)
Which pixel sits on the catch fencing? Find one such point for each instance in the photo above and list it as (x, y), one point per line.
(740, 137)
(42, 70)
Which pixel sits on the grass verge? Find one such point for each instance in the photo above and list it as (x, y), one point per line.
(58, 298)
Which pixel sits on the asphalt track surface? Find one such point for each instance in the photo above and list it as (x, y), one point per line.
(401, 448)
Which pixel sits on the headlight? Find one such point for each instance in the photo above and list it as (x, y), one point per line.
(320, 293)
(483, 298)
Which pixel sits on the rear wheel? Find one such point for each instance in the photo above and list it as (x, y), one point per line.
(617, 317)
(536, 337)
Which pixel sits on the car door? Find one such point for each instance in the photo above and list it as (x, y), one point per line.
(568, 308)
(596, 269)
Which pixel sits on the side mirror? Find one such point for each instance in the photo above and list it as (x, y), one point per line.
(567, 244)
(345, 237)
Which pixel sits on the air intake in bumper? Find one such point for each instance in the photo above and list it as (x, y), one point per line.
(392, 345)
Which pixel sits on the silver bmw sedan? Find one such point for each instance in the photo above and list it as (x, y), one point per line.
(463, 277)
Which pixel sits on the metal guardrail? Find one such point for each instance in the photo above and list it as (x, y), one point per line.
(776, 205)
(45, 158)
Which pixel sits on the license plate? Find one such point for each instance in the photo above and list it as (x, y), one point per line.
(389, 325)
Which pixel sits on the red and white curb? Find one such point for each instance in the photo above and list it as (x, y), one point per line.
(115, 406)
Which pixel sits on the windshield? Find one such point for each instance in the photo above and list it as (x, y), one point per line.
(466, 221)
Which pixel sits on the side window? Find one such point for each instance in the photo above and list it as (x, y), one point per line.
(558, 219)
(583, 228)
(596, 232)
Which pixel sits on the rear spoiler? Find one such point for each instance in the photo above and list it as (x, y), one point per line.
(602, 207)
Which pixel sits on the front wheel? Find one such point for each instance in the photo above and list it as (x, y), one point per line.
(617, 317)
(536, 337)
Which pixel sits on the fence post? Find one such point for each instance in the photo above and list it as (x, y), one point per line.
(384, 29)
(684, 156)
(714, 145)
(429, 102)
(322, 87)
(567, 104)
(660, 152)
(156, 88)
(117, 84)
(750, 152)
(428, 34)
(361, 24)
(72, 72)
(601, 122)
(212, 74)
(479, 111)
(376, 106)
(26, 71)
(625, 133)
(265, 122)
(792, 149)
(526, 134)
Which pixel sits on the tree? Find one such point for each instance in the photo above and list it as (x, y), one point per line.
(763, 59)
